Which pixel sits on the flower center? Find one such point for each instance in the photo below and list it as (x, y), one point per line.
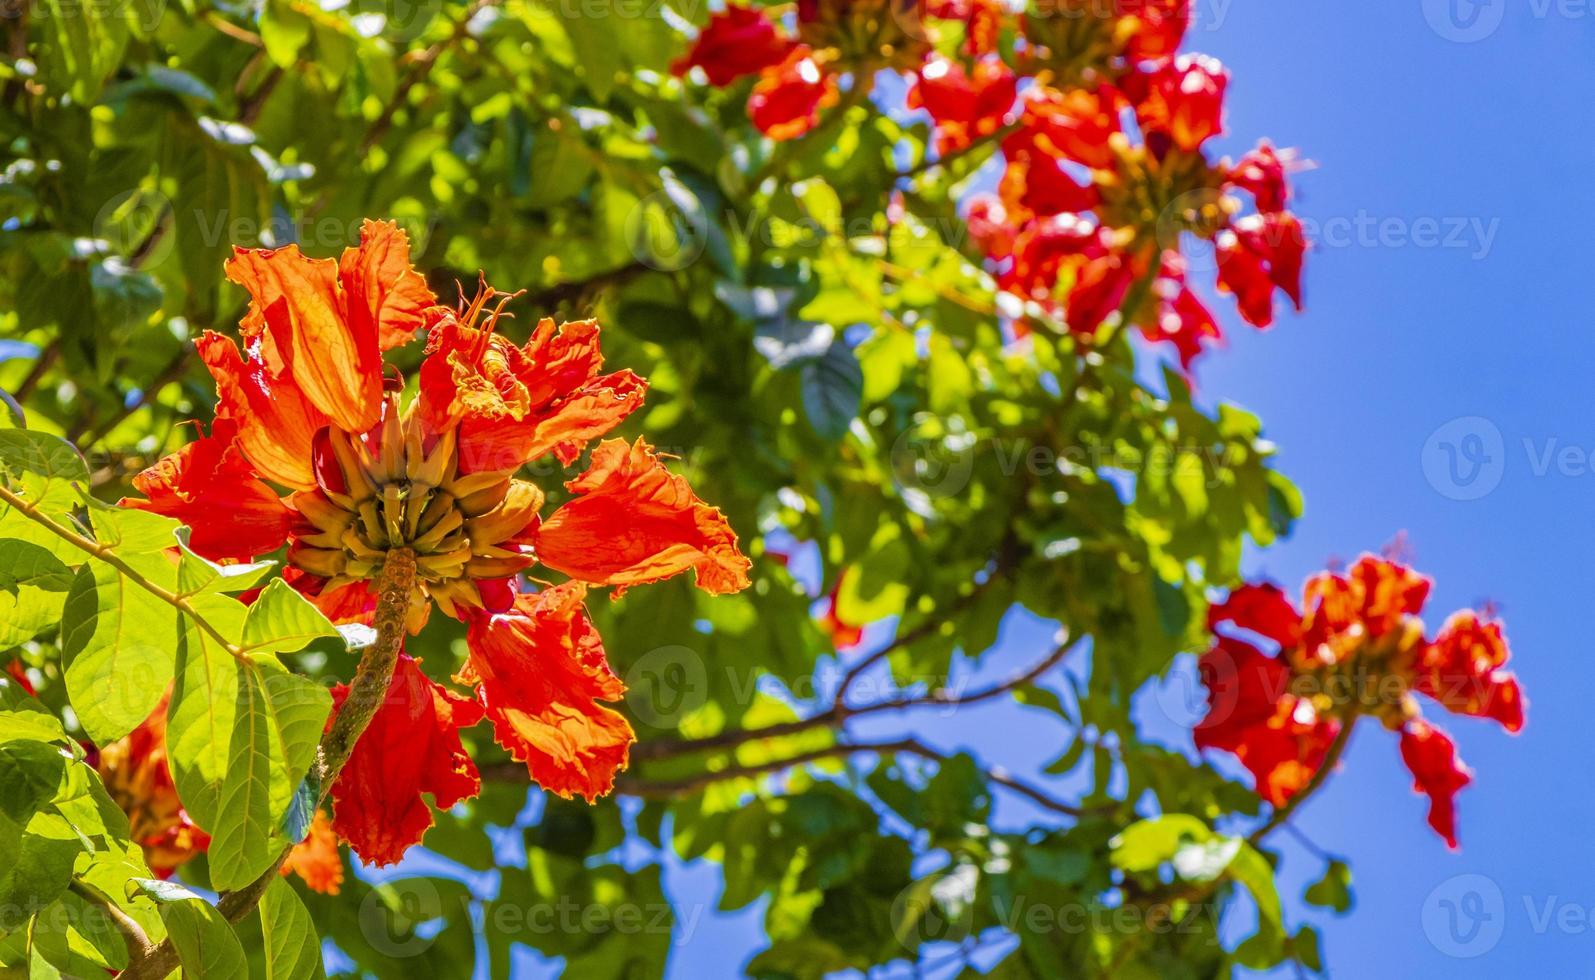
(399, 487)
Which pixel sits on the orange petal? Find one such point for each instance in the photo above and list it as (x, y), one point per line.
(634, 521)
(381, 287)
(515, 404)
(411, 747)
(210, 487)
(276, 422)
(539, 671)
(315, 859)
(297, 301)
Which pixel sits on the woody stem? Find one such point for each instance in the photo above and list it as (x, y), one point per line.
(366, 693)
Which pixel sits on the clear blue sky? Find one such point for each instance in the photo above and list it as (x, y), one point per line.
(1453, 194)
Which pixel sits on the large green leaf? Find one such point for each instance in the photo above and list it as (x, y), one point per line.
(277, 722)
(205, 943)
(292, 950)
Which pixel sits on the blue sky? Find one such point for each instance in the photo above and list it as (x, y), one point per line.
(1452, 199)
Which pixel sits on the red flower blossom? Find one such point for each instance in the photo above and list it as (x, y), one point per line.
(1358, 649)
(209, 486)
(1257, 255)
(788, 97)
(1438, 773)
(633, 522)
(1278, 736)
(964, 106)
(412, 746)
(1461, 669)
(738, 41)
(305, 405)
(539, 671)
(1156, 27)
(1182, 100)
(1262, 172)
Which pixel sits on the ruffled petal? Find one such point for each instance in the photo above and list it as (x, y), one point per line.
(315, 859)
(1461, 669)
(210, 487)
(515, 404)
(737, 41)
(297, 308)
(1437, 772)
(276, 422)
(411, 747)
(380, 286)
(634, 522)
(539, 671)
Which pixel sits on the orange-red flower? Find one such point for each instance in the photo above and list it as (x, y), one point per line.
(315, 859)
(209, 486)
(1355, 648)
(412, 746)
(964, 105)
(1437, 772)
(788, 97)
(539, 670)
(633, 521)
(305, 405)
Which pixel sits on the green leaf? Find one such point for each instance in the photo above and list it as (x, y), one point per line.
(35, 864)
(1146, 844)
(43, 468)
(1333, 890)
(833, 388)
(276, 726)
(79, 938)
(283, 621)
(197, 575)
(205, 943)
(120, 646)
(292, 950)
(203, 709)
(25, 563)
(30, 773)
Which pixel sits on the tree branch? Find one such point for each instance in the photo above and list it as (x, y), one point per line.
(133, 935)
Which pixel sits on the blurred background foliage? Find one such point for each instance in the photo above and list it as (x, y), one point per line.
(827, 362)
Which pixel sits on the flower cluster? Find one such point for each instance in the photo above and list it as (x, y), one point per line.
(1103, 128)
(1355, 648)
(307, 406)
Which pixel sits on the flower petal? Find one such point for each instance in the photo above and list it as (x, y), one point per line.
(380, 286)
(633, 522)
(1437, 772)
(315, 859)
(1461, 669)
(276, 422)
(296, 303)
(1264, 610)
(514, 404)
(412, 746)
(210, 487)
(539, 670)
